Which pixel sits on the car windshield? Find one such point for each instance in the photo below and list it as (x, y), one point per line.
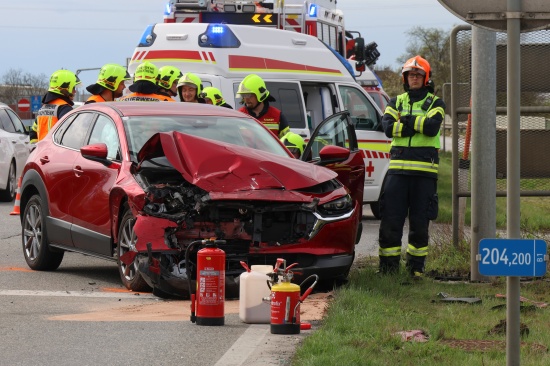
(237, 131)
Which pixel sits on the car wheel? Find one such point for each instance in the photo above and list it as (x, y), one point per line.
(8, 194)
(129, 274)
(34, 236)
(375, 208)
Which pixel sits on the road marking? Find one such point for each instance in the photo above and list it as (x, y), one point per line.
(118, 295)
(17, 269)
(244, 346)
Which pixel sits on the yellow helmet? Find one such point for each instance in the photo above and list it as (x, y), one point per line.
(146, 71)
(167, 76)
(111, 75)
(192, 80)
(63, 82)
(214, 94)
(253, 84)
(295, 143)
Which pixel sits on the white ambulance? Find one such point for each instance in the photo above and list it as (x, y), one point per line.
(309, 80)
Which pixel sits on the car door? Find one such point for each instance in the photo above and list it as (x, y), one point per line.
(93, 181)
(338, 130)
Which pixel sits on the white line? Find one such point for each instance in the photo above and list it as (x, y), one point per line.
(119, 295)
(244, 346)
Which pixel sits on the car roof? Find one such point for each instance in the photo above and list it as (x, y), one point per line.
(127, 109)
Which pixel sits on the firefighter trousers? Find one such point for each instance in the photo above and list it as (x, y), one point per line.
(402, 196)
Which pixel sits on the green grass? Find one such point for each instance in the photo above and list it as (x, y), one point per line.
(361, 323)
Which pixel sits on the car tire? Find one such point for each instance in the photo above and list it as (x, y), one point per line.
(129, 274)
(8, 194)
(375, 208)
(34, 237)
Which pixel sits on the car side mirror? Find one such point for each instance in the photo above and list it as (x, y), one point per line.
(96, 152)
(331, 154)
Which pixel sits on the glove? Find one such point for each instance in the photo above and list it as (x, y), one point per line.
(408, 126)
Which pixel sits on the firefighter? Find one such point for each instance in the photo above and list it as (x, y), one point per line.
(189, 88)
(412, 120)
(295, 143)
(109, 85)
(168, 80)
(145, 88)
(214, 96)
(57, 102)
(256, 100)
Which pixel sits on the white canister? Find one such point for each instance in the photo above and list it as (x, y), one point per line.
(252, 289)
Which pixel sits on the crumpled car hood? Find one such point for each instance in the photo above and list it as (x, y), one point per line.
(222, 167)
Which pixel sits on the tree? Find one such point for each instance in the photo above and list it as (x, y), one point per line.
(17, 84)
(432, 44)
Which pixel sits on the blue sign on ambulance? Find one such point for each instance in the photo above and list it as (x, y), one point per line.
(512, 257)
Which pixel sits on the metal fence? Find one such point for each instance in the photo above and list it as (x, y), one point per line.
(535, 111)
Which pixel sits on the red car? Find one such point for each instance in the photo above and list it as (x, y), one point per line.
(138, 182)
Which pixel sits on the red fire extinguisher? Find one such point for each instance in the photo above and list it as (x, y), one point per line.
(208, 296)
(286, 299)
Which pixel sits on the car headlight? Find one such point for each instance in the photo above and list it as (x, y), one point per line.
(337, 207)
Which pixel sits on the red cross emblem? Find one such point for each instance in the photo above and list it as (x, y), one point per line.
(370, 168)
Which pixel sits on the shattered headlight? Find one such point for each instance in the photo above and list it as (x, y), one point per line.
(337, 207)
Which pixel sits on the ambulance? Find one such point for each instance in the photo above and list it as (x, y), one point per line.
(309, 79)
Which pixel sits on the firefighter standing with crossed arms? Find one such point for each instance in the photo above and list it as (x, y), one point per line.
(413, 121)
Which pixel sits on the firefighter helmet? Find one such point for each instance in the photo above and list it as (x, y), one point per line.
(255, 85)
(146, 71)
(295, 143)
(214, 94)
(191, 80)
(111, 75)
(167, 76)
(417, 64)
(63, 82)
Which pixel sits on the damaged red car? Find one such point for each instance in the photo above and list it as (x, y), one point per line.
(136, 183)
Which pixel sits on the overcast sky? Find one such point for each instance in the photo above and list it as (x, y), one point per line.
(41, 36)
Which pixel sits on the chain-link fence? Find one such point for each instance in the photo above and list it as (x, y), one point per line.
(535, 111)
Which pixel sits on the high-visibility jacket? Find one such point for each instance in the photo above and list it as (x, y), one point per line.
(271, 119)
(414, 152)
(46, 117)
(95, 99)
(142, 97)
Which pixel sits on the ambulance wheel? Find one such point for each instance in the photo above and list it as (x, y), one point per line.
(129, 274)
(375, 208)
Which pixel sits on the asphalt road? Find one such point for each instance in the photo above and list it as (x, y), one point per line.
(81, 314)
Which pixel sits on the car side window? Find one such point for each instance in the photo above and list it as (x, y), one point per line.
(5, 121)
(104, 131)
(17, 123)
(362, 112)
(75, 133)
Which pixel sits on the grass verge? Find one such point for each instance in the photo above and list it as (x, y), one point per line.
(362, 323)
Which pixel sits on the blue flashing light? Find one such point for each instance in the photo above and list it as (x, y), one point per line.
(168, 9)
(313, 10)
(217, 29)
(148, 37)
(219, 36)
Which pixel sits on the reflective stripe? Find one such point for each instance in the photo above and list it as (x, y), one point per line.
(417, 252)
(389, 252)
(397, 129)
(392, 112)
(414, 165)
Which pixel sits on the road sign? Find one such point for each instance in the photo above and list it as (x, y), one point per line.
(493, 14)
(24, 105)
(512, 257)
(36, 103)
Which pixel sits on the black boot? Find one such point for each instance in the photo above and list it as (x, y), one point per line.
(389, 265)
(415, 265)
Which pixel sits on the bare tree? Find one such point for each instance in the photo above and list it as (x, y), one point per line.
(17, 84)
